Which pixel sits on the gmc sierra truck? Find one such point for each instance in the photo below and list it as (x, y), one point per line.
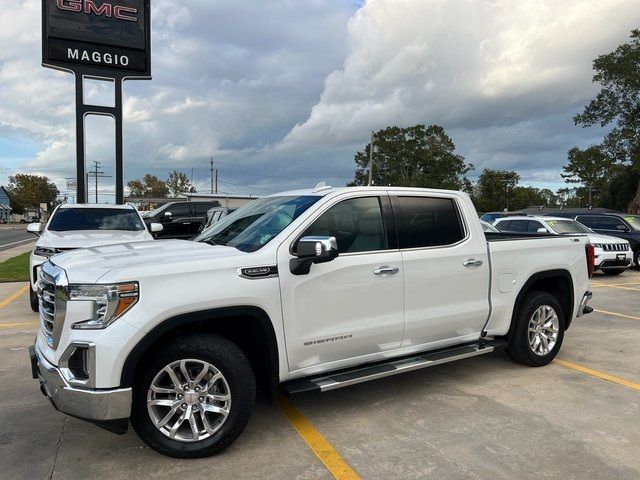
(303, 291)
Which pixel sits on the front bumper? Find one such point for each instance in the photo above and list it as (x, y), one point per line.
(100, 406)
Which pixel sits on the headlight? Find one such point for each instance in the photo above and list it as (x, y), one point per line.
(110, 302)
(44, 251)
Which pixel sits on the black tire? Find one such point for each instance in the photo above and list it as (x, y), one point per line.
(33, 300)
(636, 259)
(612, 271)
(237, 371)
(519, 348)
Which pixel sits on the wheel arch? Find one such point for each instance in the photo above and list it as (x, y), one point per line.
(556, 282)
(249, 327)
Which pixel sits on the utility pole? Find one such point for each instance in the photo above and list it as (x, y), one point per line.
(506, 194)
(211, 163)
(216, 182)
(371, 146)
(97, 173)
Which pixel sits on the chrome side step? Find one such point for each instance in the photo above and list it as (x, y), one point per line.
(344, 378)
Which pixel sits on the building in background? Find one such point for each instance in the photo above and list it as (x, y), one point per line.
(5, 205)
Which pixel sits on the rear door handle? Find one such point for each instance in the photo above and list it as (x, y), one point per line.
(472, 262)
(384, 270)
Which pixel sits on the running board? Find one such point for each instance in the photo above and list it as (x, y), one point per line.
(344, 378)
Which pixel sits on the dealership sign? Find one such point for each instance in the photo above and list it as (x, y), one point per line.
(104, 40)
(103, 34)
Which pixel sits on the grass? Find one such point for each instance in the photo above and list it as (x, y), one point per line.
(15, 269)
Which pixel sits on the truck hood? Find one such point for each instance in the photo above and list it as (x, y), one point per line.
(89, 238)
(597, 238)
(134, 260)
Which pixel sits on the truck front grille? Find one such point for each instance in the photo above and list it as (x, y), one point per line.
(614, 247)
(47, 297)
(52, 301)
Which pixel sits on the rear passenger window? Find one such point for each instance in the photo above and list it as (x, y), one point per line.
(427, 222)
(518, 226)
(590, 221)
(503, 226)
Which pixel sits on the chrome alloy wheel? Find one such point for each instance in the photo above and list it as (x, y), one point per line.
(543, 330)
(189, 400)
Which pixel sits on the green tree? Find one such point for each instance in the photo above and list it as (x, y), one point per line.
(149, 186)
(592, 168)
(622, 185)
(618, 105)
(489, 191)
(29, 191)
(417, 156)
(178, 183)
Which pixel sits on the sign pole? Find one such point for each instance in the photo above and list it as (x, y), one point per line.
(119, 147)
(81, 191)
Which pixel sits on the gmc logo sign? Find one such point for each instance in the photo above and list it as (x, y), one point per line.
(89, 7)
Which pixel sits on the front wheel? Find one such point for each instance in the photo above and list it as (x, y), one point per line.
(194, 397)
(538, 331)
(612, 271)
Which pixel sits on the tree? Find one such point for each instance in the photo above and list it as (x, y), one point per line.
(489, 192)
(417, 156)
(178, 183)
(149, 186)
(591, 167)
(618, 104)
(29, 191)
(622, 185)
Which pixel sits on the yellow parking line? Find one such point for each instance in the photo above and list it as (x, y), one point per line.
(604, 284)
(12, 297)
(598, 374)
(616, 314)
(320, 446)
(18, 325)
(617, 286)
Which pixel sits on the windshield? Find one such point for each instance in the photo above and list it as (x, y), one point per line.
(66, 219)
(567, 226)
(633, 221)
(255, 224)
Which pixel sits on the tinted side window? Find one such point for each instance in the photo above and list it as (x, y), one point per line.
(503, 226)
(356, 223)
(179, 209)
(427, 222)
(518, 226)
(533, 226)
(202, 208)
(611, 223)
(590, 221)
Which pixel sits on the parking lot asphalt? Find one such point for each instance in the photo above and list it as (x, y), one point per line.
(483, 417)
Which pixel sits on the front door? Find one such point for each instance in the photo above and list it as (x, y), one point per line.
(348, 310)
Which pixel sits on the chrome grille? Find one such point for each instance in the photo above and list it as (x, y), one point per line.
(47, 297)
(52, 300)
(614, 247)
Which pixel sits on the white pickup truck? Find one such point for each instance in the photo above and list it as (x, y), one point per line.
(301, 291)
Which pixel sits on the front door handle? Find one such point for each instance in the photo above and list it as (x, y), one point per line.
(384, 270)
(472, 262)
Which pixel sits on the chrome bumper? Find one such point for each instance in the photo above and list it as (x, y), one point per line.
(584, 309)
(88, 404)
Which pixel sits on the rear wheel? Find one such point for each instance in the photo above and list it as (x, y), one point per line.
(33, 299)
(194, 397)
(636, 259)
(612, 271)
(538, 331)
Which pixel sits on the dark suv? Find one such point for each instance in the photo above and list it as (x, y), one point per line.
(619, 225)
(180, 219)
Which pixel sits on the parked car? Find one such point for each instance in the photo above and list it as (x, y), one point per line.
(305, 291)
(619, 225)
(215, 214)
(180, 219)
(612, 255)
(73, 226)
(490, 217)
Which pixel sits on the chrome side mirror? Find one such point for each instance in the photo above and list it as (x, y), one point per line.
(310, 250)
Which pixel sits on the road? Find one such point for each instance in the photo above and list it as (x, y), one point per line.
(11, 235)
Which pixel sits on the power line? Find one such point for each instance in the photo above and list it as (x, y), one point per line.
(96, 174)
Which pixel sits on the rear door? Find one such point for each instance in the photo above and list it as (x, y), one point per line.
(446, 271)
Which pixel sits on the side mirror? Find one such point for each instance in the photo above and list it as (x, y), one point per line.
(156, 227)
(312, 250)
(167, 214)
(34, 228)
(542, 230)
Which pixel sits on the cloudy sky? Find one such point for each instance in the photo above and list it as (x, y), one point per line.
(282, 93)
